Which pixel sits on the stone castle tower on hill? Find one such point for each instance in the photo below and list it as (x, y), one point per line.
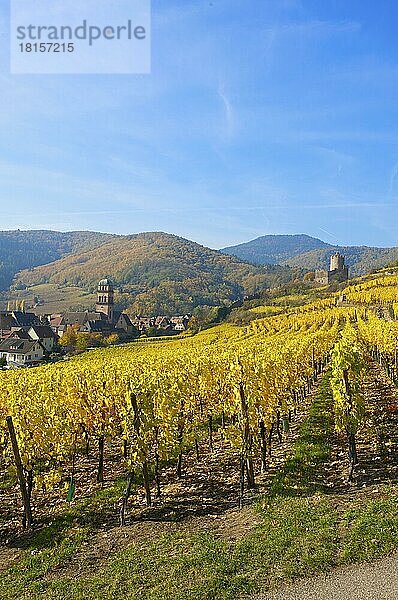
(337, 273)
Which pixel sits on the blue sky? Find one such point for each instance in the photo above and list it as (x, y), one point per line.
(259, 117)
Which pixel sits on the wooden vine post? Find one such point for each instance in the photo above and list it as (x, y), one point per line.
(352, 446)
(27, 515)
(100, 470)
(247, 457)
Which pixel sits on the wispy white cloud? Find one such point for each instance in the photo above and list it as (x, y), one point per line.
(335, 238)
(228, 110)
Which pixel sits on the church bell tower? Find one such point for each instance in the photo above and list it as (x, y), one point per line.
(105, 299)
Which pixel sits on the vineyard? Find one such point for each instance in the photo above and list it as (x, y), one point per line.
(144, 414)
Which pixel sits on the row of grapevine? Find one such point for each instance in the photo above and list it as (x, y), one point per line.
(381, 338)
(379, 290)
(348, 363)
(159, 400)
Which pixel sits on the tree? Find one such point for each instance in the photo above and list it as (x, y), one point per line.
(82, 342)
(69, 339)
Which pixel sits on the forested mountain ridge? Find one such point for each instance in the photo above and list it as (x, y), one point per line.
(360, 259)
(159, 272)
(310, 253)
(274, 249)
(27, 249)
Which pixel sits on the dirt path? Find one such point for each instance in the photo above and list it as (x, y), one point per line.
(376, 581)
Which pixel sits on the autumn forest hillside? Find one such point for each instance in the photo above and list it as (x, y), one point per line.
(159, 272)
(27, 249)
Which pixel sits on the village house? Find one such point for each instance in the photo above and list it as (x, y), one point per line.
(60, 323)
(21, 352)
(124, 324)
(102, 327)
(18, 334)
(13, 320)
(45, 335)
(25, 338)
(162, 323)
(143, 323)
(180, 323)
(25, 319)
(7, 322)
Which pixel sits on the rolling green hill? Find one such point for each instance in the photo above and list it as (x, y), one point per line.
(157, 273)
(27, 249)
